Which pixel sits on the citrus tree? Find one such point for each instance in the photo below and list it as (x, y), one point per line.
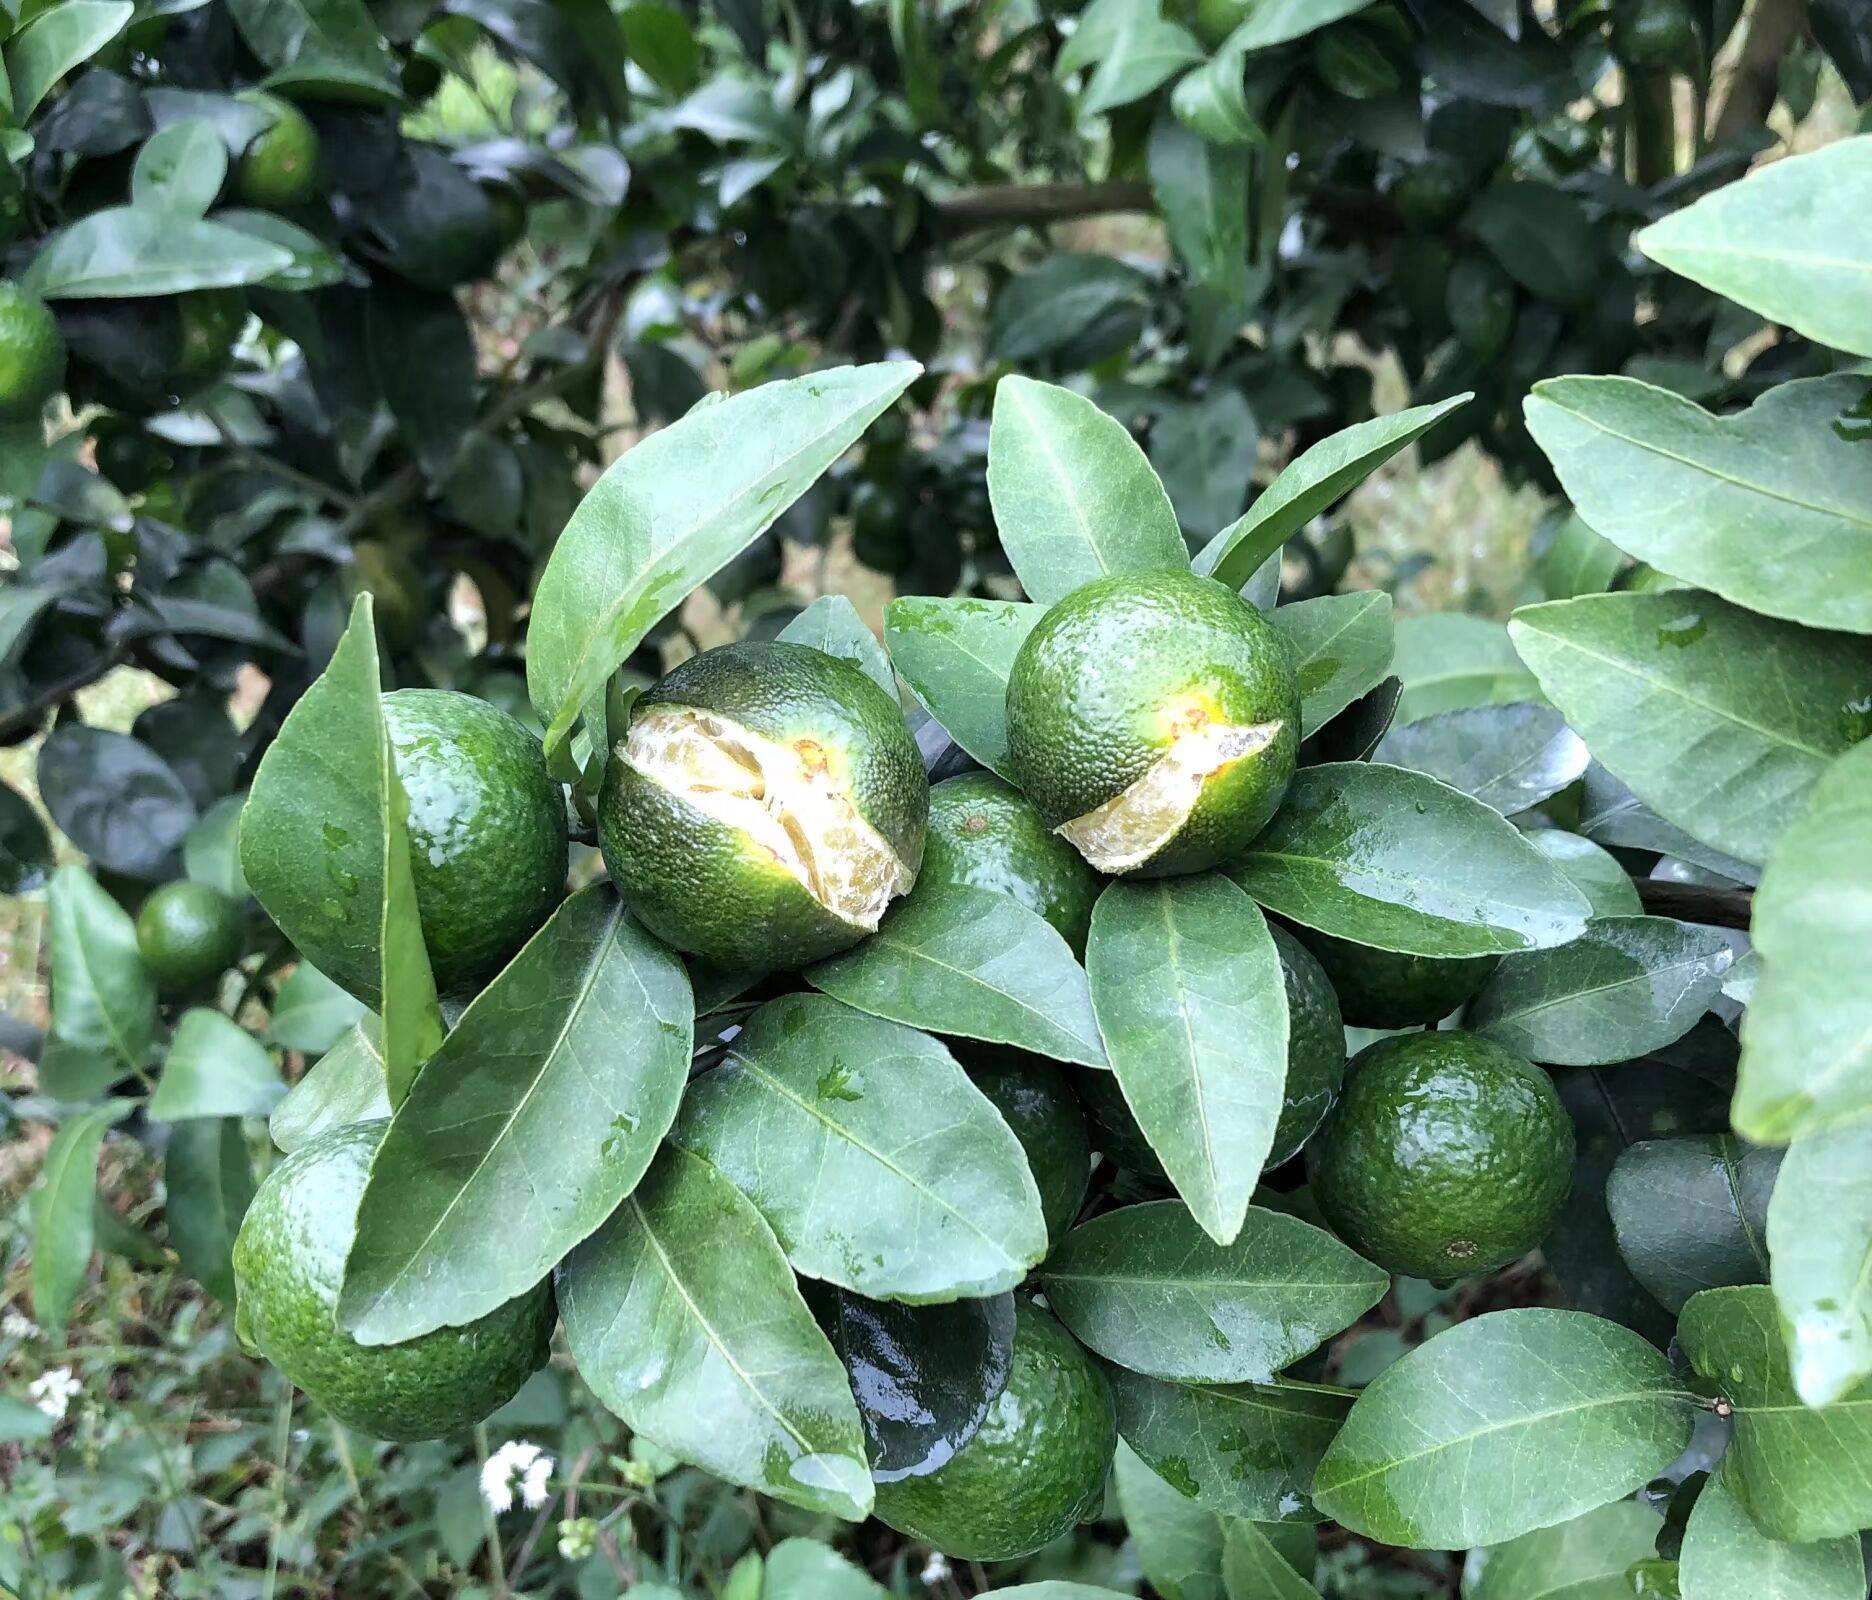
(969, 1070)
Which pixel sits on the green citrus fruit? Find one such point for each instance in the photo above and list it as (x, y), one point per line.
(391, 575)
(279, 168)
(984, 833)
(1035, 1470)
(487, 829)
(1431, 192)
(1388, 989)
(12, 203)
(1480, 300)
(1445, 1156)
(1153, 720)
(32, 352)
(289, 1261)
(1316, 1063)
(880, 528)
(1651, 35)
(765, 806)
(1036, 1101)
(212, 320)
(1316, 1051)
(188, 935)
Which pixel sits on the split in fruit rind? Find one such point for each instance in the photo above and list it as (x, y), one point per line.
(1137, 822)
(790, 800)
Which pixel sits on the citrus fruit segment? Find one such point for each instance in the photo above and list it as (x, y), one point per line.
(1153, 719)
(289, 1263)
(784, 797)
(1445, 1156)
(1036, 1468)
(764, 807)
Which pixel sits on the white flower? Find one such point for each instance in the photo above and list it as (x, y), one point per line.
(52, 1392)
(519, 1458)
(935, 1570)
(16, 1326)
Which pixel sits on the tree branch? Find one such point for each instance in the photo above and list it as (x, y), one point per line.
(27, 717)
(1756, 80)
(1007, 205)
(1692, 902)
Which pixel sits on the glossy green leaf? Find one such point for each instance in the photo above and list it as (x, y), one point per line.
(952, 959)
(1719, 719)
(1584, 1559)
(1212, 100)
(683, 1316)
(1202, 193)
(675, 509)
(211, 852)
(1820, 1253)
(1572, 559)
(132, 252)
(57, 39)
(1625, 987)
(1395, 859)
(63, 1228)
(1145, 1287)
(832, 624)
(1793, 240)
(1341, 647)
(1253, 1568)
(1691, 1213)
(1593, 871)
(1510, 757)
(1279, 21)
(1131, 48)
(324, 844)
(207, 1185)
(215, 1068)
(181, 167)
(1179, 1543)
(1771, 508)
(878, 1165)
(311, 1013)
(1240, 1449)
(103, 998)
(1446, 660)
(329, 44)
(343, 1086)
(1801, 1472)
(1512, 1421)
(1610, 814)
(956, 656)
(538, 1114)
(1807, 1039)
(802, 1566)
(1726, 1556)
(1320, 475)
(1187, 988)
(1074, 497)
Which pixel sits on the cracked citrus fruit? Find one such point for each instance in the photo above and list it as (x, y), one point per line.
(1035, 1470)
(32, 352)
(986, 834)
(1153, 719)
(289, 1261)
(1445, 1156)
(487, 829)
(764, 807)
(1389, 989)
(188, 935)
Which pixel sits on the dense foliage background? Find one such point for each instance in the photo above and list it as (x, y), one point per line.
(538, 232)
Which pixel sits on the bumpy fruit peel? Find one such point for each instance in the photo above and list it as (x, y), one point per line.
(788, 799)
